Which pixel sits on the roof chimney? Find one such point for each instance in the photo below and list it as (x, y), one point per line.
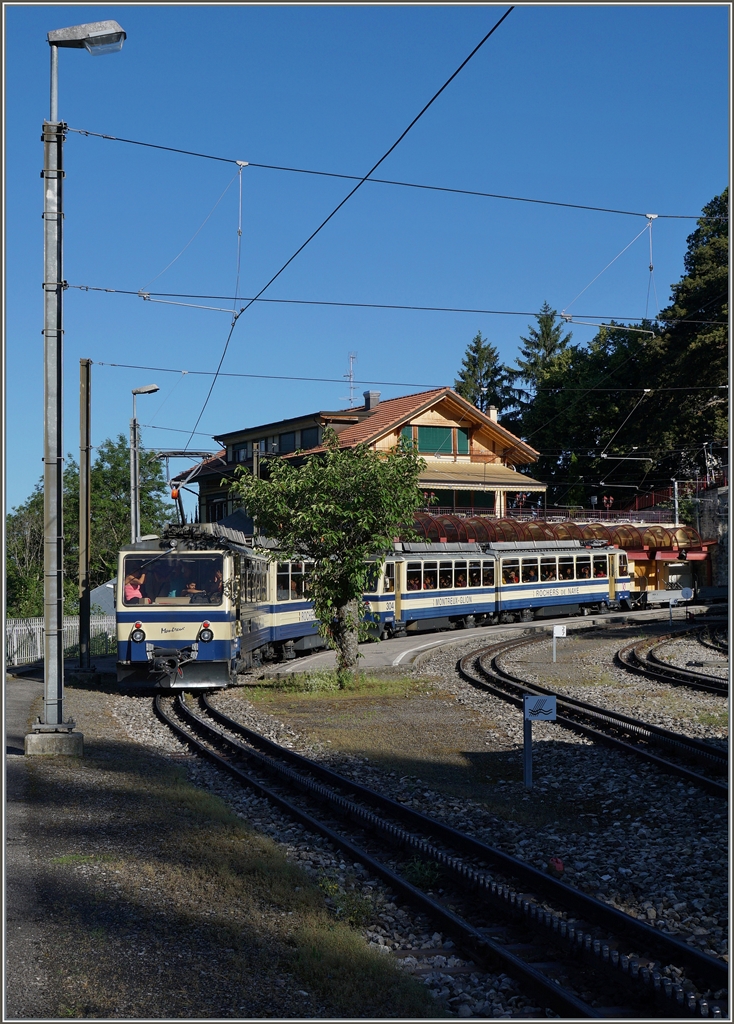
(493, 413)
(371, 400)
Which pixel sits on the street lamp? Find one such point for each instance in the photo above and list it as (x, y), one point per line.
(149, 389)
(53, 734)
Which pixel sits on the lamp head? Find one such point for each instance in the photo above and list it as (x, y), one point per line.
(98, 37)
(148, 389)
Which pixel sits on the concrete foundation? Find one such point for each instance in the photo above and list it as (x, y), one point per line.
(55, 744)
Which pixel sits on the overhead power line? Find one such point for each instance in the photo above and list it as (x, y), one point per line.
(152, 296)
(384, 383)
(391, 181)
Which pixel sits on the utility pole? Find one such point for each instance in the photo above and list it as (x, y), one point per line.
(675, 503)
(85, 460)
(256, 459)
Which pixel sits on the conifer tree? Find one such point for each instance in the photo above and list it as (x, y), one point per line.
(483, 380)
(541, 348)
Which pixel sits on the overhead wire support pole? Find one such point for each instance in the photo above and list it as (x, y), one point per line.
(85, 452)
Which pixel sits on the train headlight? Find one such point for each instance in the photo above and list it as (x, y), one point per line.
(205, 635)
(137, 636)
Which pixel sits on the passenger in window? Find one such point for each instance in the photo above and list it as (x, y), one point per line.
(133, 583)
(599, 574)
(158, 581)
(215, 587)
(192, 591)
(460, 579)
(584, 572)
(509, 576)
(428, 582)
(531, 574)
(445, 581)
(474, 580)
(414, 581)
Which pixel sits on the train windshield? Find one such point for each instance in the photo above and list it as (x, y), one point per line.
(172, 579)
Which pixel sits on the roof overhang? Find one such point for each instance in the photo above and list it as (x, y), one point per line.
(473, 476)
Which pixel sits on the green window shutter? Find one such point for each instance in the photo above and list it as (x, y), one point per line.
(435, 440)
(407, 434)
(462, 440)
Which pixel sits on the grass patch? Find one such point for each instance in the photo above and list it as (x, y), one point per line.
(422, 873)
(327, 683)
(83, 858)
(718, 718)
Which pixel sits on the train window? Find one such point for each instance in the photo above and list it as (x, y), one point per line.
(510, 571)
(600, 566)
(583, 567)
(459, 574)
(475, 574)
(283, 582)
(255, 580)
(296, 581)
(388, 580)
(623, 566)
(565, 568)
(530, 570)
(487, 574)
(548, 570)
(415, 581)
(172, 579)
(430, 575)
(445, 575)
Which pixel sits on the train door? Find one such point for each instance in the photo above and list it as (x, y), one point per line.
(399, 584)
(612, 578)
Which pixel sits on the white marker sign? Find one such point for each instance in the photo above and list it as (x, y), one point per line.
(539, 709)
(559, 631)
(686, 593)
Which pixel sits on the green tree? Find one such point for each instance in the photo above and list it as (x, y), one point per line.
(540, 350)
(336, 510)
(110, 526)
(483, 380)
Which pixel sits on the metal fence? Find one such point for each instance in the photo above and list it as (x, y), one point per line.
(24, 638)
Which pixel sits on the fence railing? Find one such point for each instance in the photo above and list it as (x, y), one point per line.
(24, 638)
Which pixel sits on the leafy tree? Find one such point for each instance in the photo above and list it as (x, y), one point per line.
(110, 526)
(337, 511)
(483, 380)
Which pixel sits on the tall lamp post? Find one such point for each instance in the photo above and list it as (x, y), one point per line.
(53, 734)
(149, 389)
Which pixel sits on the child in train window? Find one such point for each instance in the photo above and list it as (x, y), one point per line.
(459, 574)
(583, 568)
(487, 574)
(600, 566)
(548, 570)
(475, 574)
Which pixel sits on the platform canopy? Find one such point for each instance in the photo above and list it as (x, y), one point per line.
(472, 476)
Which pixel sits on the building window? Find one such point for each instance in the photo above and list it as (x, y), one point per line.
(407, 434)
(309, 438)
(462, 441)
(435, 440)
(239, 453)
(287, 443)
(216, 509)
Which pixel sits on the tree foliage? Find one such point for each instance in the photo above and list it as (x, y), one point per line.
(110, 526)
(483, 380)
(336, 510)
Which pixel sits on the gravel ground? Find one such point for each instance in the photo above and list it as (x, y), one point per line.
(585, 669)
(460, 989)
(683, 651)
(639, 840)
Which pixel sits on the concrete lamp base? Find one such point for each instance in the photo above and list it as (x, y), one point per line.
(57, 744)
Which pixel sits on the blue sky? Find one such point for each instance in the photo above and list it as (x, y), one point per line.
(617, 106)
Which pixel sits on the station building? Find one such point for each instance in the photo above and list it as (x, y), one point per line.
(472, 463)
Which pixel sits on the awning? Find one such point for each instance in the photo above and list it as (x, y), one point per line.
(473, 476)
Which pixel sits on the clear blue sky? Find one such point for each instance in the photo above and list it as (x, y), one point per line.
(617, 106)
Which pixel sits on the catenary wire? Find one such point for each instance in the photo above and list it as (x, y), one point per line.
(364, 305)
(338, 207)
(384, 383)
(389, 181)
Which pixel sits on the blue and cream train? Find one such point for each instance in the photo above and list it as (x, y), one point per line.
(199, 605)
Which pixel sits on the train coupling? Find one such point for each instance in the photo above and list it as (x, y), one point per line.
(164, 661)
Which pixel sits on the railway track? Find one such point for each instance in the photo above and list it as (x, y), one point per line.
(717, 638)
(484, 670)
(642, 658)
(568, 948)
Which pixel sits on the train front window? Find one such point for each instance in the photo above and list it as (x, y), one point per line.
(548, 570)
(487, 574)
(510, 571)
(459, 575)
(173, 579)
(414, 576)
(530, 570)
(600, 566)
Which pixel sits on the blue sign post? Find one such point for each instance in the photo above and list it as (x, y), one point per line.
(535, 708)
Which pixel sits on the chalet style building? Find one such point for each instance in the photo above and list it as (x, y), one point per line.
(471, 461)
